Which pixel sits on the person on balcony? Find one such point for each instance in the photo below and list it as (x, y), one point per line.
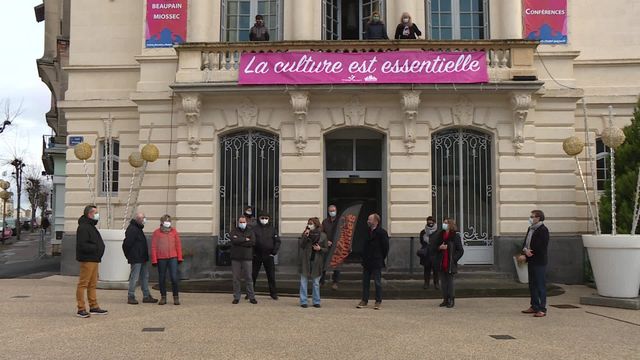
(258, 31)
(407, 29)
(166, 254)
(448, 249)
(376, 29)
(534, 252)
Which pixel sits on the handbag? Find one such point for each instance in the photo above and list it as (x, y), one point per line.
(422, 252)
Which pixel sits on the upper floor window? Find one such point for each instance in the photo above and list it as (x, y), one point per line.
(348, 19)
(238, 16)
(109, 175)
(602, 164)
(458, 19)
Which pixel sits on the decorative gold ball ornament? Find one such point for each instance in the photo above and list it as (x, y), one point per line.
(5, 195)
(136, 160)
(150, 152)
(573, 145)
(83, 151)
(4, 184)
(613, 137)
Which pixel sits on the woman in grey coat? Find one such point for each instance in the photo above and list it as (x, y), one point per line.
(313, 246)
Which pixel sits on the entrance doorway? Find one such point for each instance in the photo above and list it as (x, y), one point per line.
(462, 188)
(354, 175)
(347, 19)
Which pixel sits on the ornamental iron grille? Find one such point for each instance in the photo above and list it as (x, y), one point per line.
(462, 188)
(249, 175)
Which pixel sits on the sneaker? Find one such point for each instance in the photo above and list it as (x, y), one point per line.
(317, 306)
(304, 306)
(149, 300)
(132, 301)
(253, 301)
(361, 304)
(98, 311)
(83, 314)
(540, 314)
(334, 286)
(235, 301)
(377, 306)
(528, 311)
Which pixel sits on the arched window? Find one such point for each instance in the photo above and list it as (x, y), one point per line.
(458, 19)
(238, 16)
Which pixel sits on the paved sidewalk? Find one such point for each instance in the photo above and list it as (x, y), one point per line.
(208, 326)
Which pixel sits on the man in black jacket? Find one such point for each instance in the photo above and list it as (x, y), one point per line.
(374, 253)
(136, 251)
(534, 251)
(89, 251)
(242, 242)
(267, 246)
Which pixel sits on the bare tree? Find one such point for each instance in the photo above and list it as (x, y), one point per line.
(8, 113)
(34, 187)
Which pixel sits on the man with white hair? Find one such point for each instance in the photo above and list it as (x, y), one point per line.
(136, 251)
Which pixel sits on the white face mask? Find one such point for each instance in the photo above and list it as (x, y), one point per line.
(166, 224)
(144, 221)
(264, 221)
(249, 212)
(96, 217)
(242, 225)
(445, 226)
(311, 226)
(333, 213)
(405, 20)
(530, 221)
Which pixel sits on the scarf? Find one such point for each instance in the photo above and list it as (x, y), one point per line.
(532, 229)
(428, 231)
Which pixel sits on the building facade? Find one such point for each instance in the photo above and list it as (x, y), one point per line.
(485, 154)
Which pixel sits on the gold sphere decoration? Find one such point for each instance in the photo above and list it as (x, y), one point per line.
(136, 160)
(4, 184)
(613, 137)
(573, 145)
(5, 195)
(83, 151)
(150, 152)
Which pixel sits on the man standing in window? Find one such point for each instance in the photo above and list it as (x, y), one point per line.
(259, 32)
(89, 251)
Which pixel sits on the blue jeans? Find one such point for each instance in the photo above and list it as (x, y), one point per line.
(140, 271)
(366, 279)
(172, 265)
(303, 290)
(538, 287)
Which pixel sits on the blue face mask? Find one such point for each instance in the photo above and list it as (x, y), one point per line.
(242, 226)
(445, 227)
(96, 217)
(530, 221)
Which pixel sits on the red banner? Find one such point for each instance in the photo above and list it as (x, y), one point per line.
(346, 229)
(166, 23)
(545, 20)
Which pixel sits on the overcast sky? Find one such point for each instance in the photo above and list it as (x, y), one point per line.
(23, 43)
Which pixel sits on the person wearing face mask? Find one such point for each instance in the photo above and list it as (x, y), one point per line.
(267, 246)
(313, 246)
(448, 249)
(425, 253)
(243, 240)
(259, 32)
(374, 253)
(166, 254)
(136, 251)
(375, 29)
(534, 252)
(89, 251)
(329, 226)
(249, 214)
(407, 29)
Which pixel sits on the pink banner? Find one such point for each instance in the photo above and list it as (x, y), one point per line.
(545, 20)
(396, 67)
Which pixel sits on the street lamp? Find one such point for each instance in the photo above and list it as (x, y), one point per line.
(19, 165)
(4, 195)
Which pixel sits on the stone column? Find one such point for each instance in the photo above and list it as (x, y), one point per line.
(510, 19)
(201, 20)
(302, 19)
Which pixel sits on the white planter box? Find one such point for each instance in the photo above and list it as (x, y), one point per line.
(114, 266)
(522, 270)
(615, 261)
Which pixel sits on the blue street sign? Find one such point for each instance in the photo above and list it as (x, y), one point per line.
(75, 140)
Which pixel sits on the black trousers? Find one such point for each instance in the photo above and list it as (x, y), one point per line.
(269, 267)
(428, 269)
(446, 284)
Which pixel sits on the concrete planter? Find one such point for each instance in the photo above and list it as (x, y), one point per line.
(615, 261)
(522, 269)
(114, 267)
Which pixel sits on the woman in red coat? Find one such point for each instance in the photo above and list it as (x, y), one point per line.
(166, 253)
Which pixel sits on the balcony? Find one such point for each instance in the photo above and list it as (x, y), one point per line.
(217, 63)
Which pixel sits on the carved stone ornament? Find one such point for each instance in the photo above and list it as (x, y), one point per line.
(354, 112)
(463, 112)
(410, 102)
(191, 105)
(300, 104)
(520, 104)
(247, 113)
